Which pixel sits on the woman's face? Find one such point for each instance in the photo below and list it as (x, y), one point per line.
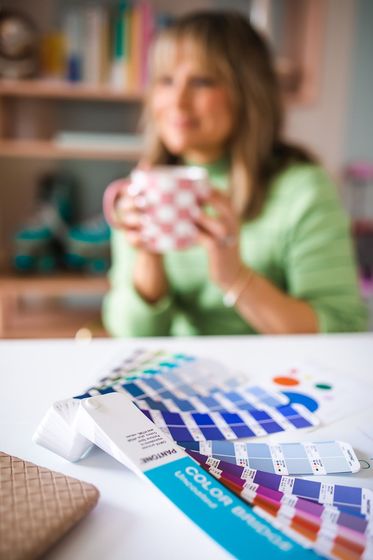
(192, 110)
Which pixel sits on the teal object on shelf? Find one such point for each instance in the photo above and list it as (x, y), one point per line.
(34, 249)
(87, 246)
(50, 240)
(38, 244)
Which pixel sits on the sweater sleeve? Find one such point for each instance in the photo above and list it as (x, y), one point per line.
(319, 257)
(124, 312)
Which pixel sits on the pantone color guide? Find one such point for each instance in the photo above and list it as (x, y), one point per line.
(308, 458)
(176, 369)
(227, 425)
(246, 398)
(172, 381)
(358, 501)
(143, 364)
(113, 422)
(153, 399)
(332, 532)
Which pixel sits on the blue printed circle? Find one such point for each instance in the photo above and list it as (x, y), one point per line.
(300, 398)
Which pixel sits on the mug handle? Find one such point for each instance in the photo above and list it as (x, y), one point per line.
(111, 194)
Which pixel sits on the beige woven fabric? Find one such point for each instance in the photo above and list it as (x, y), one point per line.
(37, 506)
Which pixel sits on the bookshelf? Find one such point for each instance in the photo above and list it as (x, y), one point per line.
(15, 94)
(33, 110)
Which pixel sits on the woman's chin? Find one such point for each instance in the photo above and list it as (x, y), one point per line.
(177, 149)
(178, 144)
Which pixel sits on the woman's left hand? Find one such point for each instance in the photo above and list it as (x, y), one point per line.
(220, 235)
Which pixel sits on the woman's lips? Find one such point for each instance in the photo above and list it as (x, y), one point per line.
(183, 123)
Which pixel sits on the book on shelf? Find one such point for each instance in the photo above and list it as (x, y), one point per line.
(73, 40)
(103, 44)
(96, 50)
(135, 45)
(133, 29)
(119, 77)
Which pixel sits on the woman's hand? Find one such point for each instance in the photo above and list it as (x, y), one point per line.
(124, 208)
(259, 302)
(220, 236)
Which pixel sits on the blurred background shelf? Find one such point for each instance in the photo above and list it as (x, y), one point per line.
(54, 322)
(39, 306)
(48, 149)
(63, 89)
(13, 284)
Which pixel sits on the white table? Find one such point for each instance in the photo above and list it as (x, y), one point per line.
(132, 519)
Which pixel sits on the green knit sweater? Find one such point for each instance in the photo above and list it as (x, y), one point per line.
(300, 242)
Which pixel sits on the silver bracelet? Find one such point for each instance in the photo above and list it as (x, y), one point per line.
(231, 297)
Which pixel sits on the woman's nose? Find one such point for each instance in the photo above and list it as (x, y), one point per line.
(181, 95)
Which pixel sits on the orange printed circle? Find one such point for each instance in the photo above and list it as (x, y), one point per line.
(287, 381)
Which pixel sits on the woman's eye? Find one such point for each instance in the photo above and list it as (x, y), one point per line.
(203, 81)
(165, 80)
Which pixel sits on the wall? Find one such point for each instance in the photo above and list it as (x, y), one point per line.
(321, 125)
(358, 142)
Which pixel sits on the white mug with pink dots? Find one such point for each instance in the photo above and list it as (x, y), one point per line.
(172, 198)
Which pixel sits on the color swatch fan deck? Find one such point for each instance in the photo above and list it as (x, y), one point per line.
(308, 458)
(190, 424)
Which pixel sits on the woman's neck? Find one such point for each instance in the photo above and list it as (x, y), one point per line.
(203, 158)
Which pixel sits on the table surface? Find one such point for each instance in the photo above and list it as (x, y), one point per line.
(132, 519)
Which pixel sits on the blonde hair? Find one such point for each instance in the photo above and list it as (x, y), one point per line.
(229, 45)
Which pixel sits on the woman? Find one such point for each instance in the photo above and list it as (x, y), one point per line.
(274, 255)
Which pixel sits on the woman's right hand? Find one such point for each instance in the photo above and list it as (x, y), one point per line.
(123, 209)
